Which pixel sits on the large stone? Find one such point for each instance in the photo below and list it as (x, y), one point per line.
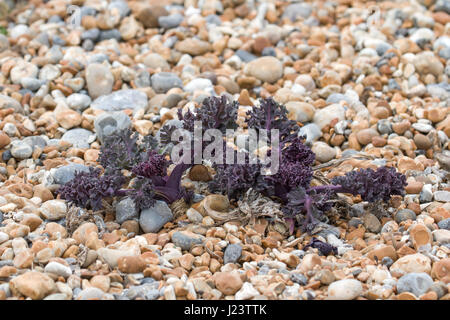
(112, 256)
(412, 263)
(79, 138)
(108, 123)
(267, 69)
(232, 253)
(33, 284)
(426, 62)
(324, 116)
(8, 102)
(153, 219)
(53, 209)
(64, 174)
(416, 283)
(121, 100)
(186, 239)
(125, 210)
(323, 151)
(164, 81)
(194, 47)
(228, 282)
(99, 80)
(346, 289)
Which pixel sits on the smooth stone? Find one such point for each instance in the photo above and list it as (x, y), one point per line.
(194, 216)
(232, 253)
(23, 70)
(426, 195)
(302, 111)
(323, 151)
(441, 236)
(171, 21)
(412, 263)
(79, 138)
(442, 196)
(8, 102)
(199, 84)
(35, 141)
(155, 61)
(153, 219)
(99, 80)
(64, 174)
(121, 100)
(4, 43)
(78, 101)
(299, 278)
(53, 209)
(164, 81)
(311, 131)
(31, 83)
(297, 10)
(109, 123)
(444, 224)
(324, 116)
(21, 150)
(58, 269)
(185, 240)
(245, 56)
(267, 69)
(33, 284)
(91, 293)
(416, 283)
(125, 210)
(346, 289)
(404, 215)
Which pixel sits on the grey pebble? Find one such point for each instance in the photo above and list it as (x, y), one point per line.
(416, 283)
(232, 253)
(152, 219)
(125, 210)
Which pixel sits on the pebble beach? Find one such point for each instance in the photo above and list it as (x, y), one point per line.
(367, 82)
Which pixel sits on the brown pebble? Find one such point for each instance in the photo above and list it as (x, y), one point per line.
(131, 264)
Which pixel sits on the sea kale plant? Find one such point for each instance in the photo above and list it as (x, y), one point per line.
(135, 166)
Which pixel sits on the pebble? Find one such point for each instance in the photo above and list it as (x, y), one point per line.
(152, 219)
(442, 196)
(170, 21)
(441, 236)
(412, 263)
(416, 283)
(324, 116)
(125, 210)
(79, 138)
(347, 289)
(21, 150)
(58, 269)
(404, 215)
(232, 253)
(78, 101)
(33, 284)
(99, 80)
(185, 239)
(164, 81)
(66, 173)
(444, 224)
(267, 69)
(323, 151)
(53, 209)
(228, 282)
(91, 293)
(121, 100)
(109, 123)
